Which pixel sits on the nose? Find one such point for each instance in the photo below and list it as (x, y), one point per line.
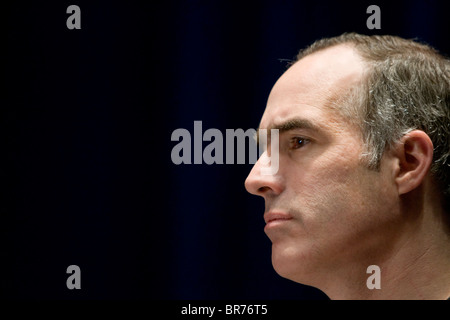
(261, 184)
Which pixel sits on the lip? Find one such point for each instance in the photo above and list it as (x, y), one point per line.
(274, 217)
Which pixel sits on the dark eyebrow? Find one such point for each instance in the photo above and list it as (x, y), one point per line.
(294, 123)
(290, 124)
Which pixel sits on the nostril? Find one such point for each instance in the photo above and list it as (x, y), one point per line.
(263, 189)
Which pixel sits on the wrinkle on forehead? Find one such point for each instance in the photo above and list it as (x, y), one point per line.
(319, 80)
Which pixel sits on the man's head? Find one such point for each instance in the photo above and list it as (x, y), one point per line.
(364, 150)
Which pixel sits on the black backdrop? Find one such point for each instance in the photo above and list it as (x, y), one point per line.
(86, 121)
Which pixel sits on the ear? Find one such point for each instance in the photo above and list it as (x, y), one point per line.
(415, 155)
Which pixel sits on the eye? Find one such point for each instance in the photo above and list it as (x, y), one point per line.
(298, 142)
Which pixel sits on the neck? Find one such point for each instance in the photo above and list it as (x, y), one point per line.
(416, 267)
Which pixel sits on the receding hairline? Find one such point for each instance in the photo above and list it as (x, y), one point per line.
(372, 48)
(338, 101)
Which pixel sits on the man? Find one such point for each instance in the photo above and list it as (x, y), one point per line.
(364, 176)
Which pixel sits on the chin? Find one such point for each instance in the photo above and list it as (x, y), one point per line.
(291, 263)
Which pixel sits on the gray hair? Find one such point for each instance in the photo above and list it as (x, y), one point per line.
(406, 87)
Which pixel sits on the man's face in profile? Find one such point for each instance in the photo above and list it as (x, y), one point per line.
(323, 208)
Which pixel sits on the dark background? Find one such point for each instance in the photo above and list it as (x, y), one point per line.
(86, 120)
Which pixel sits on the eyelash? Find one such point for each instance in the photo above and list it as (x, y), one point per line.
(295, 142)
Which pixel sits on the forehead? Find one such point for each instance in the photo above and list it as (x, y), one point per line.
(307, 88)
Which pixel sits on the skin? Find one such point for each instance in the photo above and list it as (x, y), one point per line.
(344, 217)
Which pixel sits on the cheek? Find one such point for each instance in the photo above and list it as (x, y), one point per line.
(346, 207)
(336, 195)
(324, 183)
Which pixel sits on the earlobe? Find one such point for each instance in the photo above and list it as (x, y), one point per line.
(415, 155)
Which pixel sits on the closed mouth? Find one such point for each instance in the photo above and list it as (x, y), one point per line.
(272, 216)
